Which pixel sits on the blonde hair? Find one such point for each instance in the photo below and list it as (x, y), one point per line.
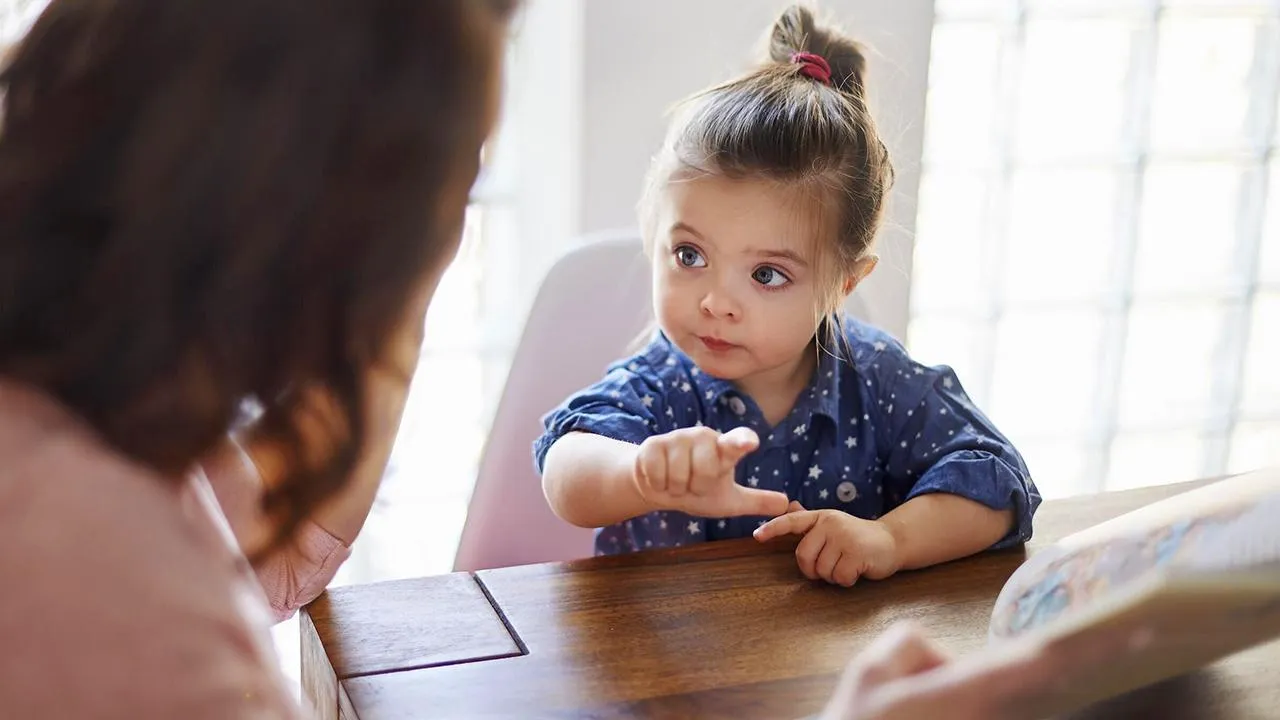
(778, 123)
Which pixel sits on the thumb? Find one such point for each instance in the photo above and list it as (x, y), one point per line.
(735, 445)
(754, 501)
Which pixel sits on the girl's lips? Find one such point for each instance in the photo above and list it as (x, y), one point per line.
(716, 344)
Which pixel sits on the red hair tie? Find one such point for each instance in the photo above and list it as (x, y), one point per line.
(813, 66)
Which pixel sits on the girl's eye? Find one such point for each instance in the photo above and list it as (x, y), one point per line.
(770, 277)
(688, 257)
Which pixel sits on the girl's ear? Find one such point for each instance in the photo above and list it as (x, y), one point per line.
(859, 273)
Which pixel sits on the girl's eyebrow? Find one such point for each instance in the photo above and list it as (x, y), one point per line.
(689, 229)
(783, 255)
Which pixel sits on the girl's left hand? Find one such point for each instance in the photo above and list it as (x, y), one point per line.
(837, 546)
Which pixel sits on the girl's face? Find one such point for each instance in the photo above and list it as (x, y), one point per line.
(736, 276)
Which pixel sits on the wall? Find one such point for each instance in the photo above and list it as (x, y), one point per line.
(639, 56)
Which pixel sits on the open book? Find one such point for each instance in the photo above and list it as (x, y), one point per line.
(1181, 583)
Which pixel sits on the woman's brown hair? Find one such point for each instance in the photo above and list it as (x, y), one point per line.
(208, 204)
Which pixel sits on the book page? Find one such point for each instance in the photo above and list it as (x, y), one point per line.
(1219, 527)
(1167, 589)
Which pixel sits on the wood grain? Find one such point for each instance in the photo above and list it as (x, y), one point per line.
(402, 624)
(319, 681)
(733, 630)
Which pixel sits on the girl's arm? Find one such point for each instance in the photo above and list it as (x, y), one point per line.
(588, 480)
(938, 527)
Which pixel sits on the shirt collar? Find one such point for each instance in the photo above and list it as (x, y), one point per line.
(820, 397)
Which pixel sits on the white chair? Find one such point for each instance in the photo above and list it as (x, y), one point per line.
(593, 304)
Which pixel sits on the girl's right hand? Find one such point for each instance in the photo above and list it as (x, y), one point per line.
(691, 470)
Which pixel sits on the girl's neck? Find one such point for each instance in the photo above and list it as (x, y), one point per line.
(775, 390)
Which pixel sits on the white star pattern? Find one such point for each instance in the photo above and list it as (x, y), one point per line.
(615, 394)
(685, 387)
(795, 457)
(814, 471)
(662, 524)
(822, 494)
(799, 430)
(671, 361)
(670, 413)
(720, 524)
(695, 372)
(755, 481)
(709, 394)
(919, 371)
(866, 417)
(910, 413)
(879, 346)
(647, 401)
(633, 367)
(904, 443)
(851, 442)
(946, 383)
(943, 411)
(891, 408)
(693, 527)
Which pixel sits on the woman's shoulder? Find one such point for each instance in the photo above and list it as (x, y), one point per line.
(104, 558)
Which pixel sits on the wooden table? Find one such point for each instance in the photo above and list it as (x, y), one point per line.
(727, 629)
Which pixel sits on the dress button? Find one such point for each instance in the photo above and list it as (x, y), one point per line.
(846, 492)
(737, 406)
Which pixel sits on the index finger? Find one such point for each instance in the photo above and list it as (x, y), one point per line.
(793, 523)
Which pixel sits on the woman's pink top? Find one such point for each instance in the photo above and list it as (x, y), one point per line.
(124, 594)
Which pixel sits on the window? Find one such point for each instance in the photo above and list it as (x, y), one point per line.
(1099, 232)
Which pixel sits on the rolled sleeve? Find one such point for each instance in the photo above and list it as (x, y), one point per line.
(942, 443)
(297, 573)
(625, 405)
(986, 479)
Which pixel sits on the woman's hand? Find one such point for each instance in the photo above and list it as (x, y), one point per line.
(903, 674)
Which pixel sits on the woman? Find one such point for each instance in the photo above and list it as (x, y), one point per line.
(206, 206)
(220, 225)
